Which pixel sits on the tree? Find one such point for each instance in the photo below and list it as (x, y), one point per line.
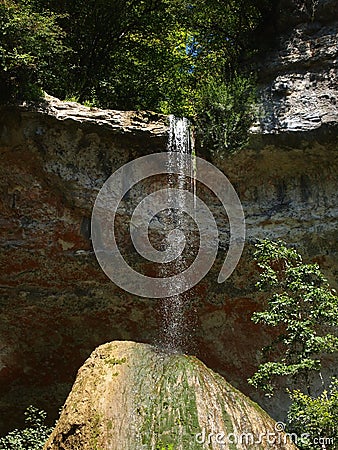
(154, 53)
(30, 47)
(170, 56)
(225, 114)
(303, 309)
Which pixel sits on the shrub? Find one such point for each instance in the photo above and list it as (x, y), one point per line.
(317, 417)
(33, 437)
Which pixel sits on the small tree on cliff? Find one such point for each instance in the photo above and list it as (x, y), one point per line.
(303, 309)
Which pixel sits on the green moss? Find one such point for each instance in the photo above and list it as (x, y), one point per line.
(168, 398)
(114, 361)
(161, 446)
(95, 431)
(170, 418)
(229, 427)
(74, 406)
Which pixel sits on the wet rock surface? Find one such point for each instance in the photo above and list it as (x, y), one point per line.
(133, 396)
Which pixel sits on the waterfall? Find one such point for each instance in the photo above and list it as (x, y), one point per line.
(180, 142)
(179, 135)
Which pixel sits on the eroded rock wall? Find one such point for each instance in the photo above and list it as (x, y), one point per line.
(56, 303)
(299, 74)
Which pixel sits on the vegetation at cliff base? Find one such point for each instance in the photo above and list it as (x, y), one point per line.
(170, 56)
(33, 437)
(317, 417)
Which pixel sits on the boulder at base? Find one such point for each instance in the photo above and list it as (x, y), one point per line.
(131, 396)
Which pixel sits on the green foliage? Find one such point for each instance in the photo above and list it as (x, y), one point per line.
(30, 45)
(317, 417)
(161, 446)
(170, 56)
(151, 54)
(302, 308)
(33, 437)
(225, 113)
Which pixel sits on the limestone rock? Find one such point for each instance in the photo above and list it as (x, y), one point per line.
(123, 122)
(55, 298)
(132, 396)
(57, 304)
(299, 77)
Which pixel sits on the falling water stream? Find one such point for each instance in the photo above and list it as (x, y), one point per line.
(175, 328)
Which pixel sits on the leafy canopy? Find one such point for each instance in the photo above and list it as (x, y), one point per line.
(303, 309)
(171, 56)
(31, 44)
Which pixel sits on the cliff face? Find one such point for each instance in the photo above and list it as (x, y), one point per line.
(57, 304)
(299, 75)
(133, 396)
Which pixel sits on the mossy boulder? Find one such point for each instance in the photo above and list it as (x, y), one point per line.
(131, 396)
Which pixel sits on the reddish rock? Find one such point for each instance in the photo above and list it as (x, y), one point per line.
(56, 303)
